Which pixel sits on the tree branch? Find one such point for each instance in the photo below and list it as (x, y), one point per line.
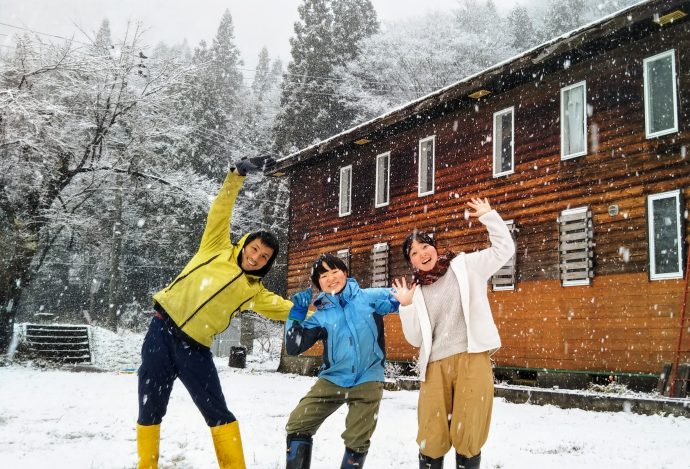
(139, 174)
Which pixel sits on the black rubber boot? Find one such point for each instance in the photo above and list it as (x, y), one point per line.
(425, 462)
(353, 459)
(463, 462)
(298, 451)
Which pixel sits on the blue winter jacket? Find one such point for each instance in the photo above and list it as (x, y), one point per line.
(350, 324)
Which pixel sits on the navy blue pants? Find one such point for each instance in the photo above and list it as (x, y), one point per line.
(166, 355)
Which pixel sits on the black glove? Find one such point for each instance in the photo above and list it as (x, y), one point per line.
(263, 162)
(254, 164)
(244, 167)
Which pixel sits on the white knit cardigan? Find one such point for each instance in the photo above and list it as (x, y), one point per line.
(472, 271)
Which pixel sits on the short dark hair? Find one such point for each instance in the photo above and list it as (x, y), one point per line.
(333, 262)
(270, 241)
(420, 237)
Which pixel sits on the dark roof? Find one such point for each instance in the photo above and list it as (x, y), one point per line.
(627, 25)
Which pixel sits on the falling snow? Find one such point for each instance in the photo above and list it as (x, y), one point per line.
(86, 420)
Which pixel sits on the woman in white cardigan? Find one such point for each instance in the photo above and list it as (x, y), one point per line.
(445, 311)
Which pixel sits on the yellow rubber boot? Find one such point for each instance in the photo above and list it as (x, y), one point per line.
(228, 444)
(148, 440)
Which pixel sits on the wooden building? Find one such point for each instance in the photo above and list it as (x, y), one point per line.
(581, 143)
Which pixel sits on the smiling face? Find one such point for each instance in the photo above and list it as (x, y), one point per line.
(255, 255)
(423, 256)
(332, 280)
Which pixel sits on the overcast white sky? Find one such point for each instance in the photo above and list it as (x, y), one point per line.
(257, 23)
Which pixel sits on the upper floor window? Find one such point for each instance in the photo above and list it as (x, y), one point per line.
(383, 166)
(379, 267)
(574, 120)
(660, 102)
(427, 149)
(665, 237)
(576, 251)
(504, 142)
(344, 255)
(345, 191)
(504, 279)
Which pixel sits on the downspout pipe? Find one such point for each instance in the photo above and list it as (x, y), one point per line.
(683, 308)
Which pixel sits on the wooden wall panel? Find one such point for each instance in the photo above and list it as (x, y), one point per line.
(615, 324)
(623, 321)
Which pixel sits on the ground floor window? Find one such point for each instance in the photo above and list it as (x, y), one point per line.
(665, 235)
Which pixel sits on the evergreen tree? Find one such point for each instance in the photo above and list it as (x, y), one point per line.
(562, 16)
(306, 97)
(103, 42)
(225, 60)
(353, 21)
(485, 39)
(327, 35)
(416, 57)
(262, 74)
(211, 103)
(521, 29)
(263, 104)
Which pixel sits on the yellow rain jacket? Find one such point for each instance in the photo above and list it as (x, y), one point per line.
(212, 287)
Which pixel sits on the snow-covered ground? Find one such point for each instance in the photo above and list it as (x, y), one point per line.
(63, 419)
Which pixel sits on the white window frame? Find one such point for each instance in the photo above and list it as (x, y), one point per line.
(679, 234)
(340, 192)
(433, 166)
(344, 255)
(498, 114)
(376, 250)
(564, 90)
(378, 203)
(511, 263)
(647, 112)
(590, 248)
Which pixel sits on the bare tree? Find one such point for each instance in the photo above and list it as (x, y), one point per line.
(71, 118)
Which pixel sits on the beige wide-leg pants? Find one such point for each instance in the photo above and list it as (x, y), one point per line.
(455, 404)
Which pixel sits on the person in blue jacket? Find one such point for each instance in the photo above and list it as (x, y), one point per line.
(349, 321)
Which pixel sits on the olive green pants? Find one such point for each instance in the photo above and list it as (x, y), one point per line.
(324, 398)
(455, 403)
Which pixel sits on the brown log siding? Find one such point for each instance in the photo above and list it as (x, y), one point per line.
(623, 321)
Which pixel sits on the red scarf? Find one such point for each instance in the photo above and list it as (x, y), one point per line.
(422, 277)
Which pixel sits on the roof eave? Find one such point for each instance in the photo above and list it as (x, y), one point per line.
(627, 17)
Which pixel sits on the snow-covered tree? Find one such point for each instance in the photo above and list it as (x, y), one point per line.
(327, 35)
(409, 59)
(103, 42)
(521, 29)
(307, 94)
(353, 21)
(72, 120)
(560, 16)
(261, 105)
(211, 103)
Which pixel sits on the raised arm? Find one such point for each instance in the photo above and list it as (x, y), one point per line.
(489, 261)
(409, 318)
(382, 300)
(270, 305)
(301, 334)
(217, 232)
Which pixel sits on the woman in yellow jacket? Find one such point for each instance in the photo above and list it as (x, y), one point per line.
(221, 280)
